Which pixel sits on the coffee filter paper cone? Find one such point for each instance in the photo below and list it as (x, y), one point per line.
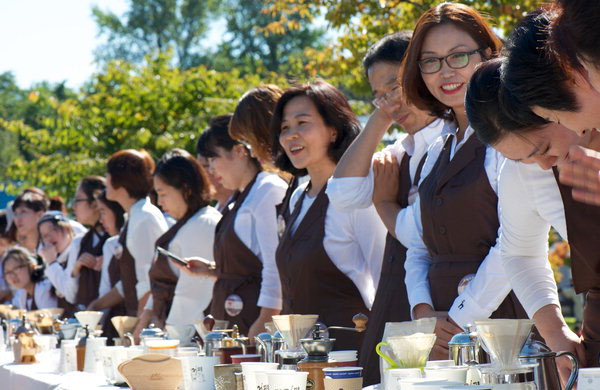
(413, 350)
(504, 339)
(124, 324)
(294, 327)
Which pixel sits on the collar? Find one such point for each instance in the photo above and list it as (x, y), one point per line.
(424, 137)
(451, 128)
(139, 205)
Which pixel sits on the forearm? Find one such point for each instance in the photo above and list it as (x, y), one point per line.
(108, 300)
(549, 320)
(388, 212)
(356, 161)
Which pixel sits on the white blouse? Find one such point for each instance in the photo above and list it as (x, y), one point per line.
(110, 248)
(256, 226)
(145, 224)
(474, 302)
(66, 285)
(530, 202)
(354, 241)
(348, 193)
(42, 293)
(193, 293)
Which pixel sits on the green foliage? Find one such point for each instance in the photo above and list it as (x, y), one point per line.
(154, 106)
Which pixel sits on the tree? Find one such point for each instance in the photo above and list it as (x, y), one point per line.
(152, 105)
(154, 25)
(249, 47)
(361, 23)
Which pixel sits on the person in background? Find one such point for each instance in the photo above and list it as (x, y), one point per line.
(183, 192)
(218, 193)
(56, 234)
(57, 203)
(25, 275)
(5, 244)
(89, 245)
(247, 290)
(28, 207)
(353, 180)
(328, 260)
(128, 182)
(112, 218)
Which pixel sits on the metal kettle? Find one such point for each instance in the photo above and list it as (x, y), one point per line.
(267, 346)
(546, 373)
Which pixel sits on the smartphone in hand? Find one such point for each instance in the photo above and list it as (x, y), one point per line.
(171, 256)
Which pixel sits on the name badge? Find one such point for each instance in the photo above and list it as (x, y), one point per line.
(118, 251)
(234, 305)
(280, 225)
(464, 282)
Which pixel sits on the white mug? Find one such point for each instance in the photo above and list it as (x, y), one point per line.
(589, 379)
(93, 359)
(393, 375)
(68, 356)
(198, 372)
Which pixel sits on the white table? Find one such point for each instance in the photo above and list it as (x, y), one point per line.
(45, 376)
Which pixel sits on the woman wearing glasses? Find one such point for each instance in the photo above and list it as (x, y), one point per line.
(25, 275)
(456, 213)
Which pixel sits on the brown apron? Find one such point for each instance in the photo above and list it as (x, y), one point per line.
(283, 208)
(310, 281)
(584, 240)
(459, 213)
(239, 273)
(108, 328)
(89, 279)
(162, 278)
(391, 300)
(128, 276)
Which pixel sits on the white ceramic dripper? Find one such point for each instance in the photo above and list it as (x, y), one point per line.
(410, 351)
(89, 318)
(294, 327)
(503, 339)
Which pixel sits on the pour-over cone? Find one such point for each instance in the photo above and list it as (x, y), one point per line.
(89, 318)
(124, 324)
(413, 350)
(294, 327)
(503, 339)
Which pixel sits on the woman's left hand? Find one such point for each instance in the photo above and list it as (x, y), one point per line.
(49, 254)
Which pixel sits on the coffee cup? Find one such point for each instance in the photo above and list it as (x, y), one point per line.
(392, 375)
(287, 380)
(342, 372)
(225, 376)
(236, 359)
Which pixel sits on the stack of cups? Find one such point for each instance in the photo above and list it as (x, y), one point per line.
(344, 358)
(347, 378)
(253, 374)
(286, 379)
(394, 375)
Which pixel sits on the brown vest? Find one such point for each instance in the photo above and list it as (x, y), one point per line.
(391, 300)
(459, 212)
(89, 279)
(114, 275)
(128, 276)
(283, 208)
(239, 271)
(310, 281)
(584, 239)
(162, 278)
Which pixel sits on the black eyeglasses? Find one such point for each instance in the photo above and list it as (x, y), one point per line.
(455, 61)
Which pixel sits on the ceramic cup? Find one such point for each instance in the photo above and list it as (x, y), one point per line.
(183, 333)
(287, 380)
(589, 378)
(225, 376)
(452, 374)
(434, 385)
(343, 372)
(248, 370)
(236, 359)
(440, 363)
(409, 383)
(68, 356)
(111, 358)
(187, 351)
(93, 359)
(198, 372)
(394, 374)
(167, 347)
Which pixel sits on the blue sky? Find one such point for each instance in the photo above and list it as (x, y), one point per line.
(51, 40)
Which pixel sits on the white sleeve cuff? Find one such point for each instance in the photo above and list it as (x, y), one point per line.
(419, 296)
(465, 310)
(270, 302)
(348, 193)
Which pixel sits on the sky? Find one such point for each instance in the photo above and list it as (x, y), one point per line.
(51, 40)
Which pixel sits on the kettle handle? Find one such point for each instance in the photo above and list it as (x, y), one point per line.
(574, 368)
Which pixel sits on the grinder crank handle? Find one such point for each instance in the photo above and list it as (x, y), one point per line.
(360, 324)
(574, 368)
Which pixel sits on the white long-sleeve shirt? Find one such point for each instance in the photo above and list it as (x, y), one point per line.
(256, 226)
(66, 285)
(110, 248)
(354, 241)
(530, 202)
(418, 258)
(145, 224)
(193, 293)
(42, 293)
(348, 193)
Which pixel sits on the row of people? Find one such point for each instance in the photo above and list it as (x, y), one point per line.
(466, 225)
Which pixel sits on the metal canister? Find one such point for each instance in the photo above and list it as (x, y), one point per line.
(465, 349)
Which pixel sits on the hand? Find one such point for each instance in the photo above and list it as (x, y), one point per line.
(93, 306)
(445, 328)
(563, 339)
(98, 265)
(143, 322)
(387, 182)
(49, 254)
(266, 315)
(85, 260)
(582, 171)
(196, 267)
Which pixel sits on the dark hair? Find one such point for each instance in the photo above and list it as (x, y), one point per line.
(23, 256)
(131, 169)
(57, 203)
(462, 17)
(91, 185)
(3, 223)
(115, 207)
(252, 116)
(217, 135)
(33, 198)
(58, 221)
(333, 108)
(390, 48)
(575, 34)
(532, 75)
(180, 170)
(486, 109)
